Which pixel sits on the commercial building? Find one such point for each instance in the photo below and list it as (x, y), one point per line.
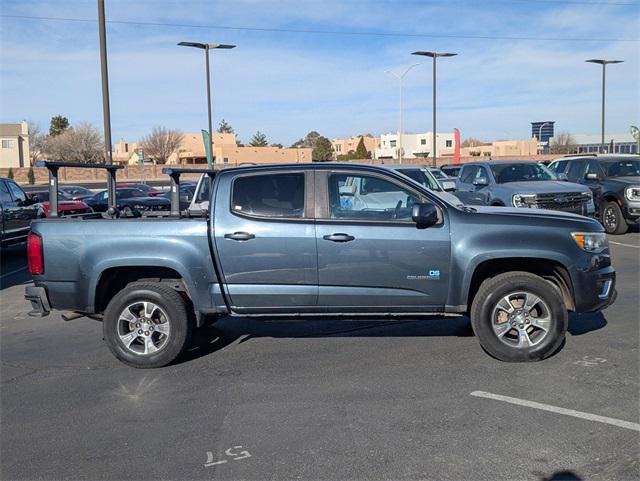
(14, 145)
(344, 146)
(502, 148)
(415, 146)
(614, 144)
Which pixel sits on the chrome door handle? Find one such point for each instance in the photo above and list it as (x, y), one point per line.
(338, 237)
(240, 236)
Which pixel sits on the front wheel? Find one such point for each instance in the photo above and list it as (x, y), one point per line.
(612, 219)
(519, 317)
(147, 325)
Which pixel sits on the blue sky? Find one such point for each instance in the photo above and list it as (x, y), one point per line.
(286, 84)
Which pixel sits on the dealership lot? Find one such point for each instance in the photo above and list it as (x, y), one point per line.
(321, 399)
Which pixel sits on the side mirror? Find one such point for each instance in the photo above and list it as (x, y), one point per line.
(591, 176)
(33, 199)
(424, 214)
(563, 177)
(481, 181)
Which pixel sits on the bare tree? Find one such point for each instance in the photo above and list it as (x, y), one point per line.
(37, 142)
(82, 143)
(563, 143)
(471, 142)
(161, 143)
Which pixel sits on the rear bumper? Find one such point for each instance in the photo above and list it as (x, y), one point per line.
(37, 295)
(594, 290)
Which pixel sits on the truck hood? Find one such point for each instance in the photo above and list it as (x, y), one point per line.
(539, 214)
(544, 187)
(629, 180)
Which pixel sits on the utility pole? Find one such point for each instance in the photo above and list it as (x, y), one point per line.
(401, 80)
(106, 113)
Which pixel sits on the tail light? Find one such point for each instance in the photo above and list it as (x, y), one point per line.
(35, 258)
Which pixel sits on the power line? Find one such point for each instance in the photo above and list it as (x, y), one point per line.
(327, 32)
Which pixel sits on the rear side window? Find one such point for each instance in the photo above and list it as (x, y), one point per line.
(273, 195)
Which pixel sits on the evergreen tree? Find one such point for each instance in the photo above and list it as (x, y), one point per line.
(58, 125)
(322, 149)
(225, 128)
(10, 174)
(259, 140)
(361, 150)
(31, 176)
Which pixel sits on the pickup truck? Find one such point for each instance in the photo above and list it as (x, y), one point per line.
(287, 240)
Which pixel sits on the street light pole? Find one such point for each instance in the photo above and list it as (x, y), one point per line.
(434, 56)
(401, 79)
(106, 113)
(540, 133)
(206, 47)
(604, 76)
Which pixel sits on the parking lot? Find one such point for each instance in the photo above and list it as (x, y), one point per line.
(322, 399)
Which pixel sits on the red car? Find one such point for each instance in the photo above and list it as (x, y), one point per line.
(147, 189)
(66, 205)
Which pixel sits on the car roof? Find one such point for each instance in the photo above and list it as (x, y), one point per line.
(500, 162)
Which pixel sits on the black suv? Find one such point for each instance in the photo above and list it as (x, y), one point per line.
(17, 211)
(615, 182)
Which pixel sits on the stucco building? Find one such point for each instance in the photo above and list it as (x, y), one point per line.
(344, 146)
(503, 148)
(415, 146)
(14, 145)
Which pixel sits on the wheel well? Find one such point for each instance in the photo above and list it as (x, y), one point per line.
(113, 280)
(497, 203)
(547, 269)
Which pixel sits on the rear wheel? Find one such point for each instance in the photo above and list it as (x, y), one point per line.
(612, 219)
(147, 325)
(519, 317)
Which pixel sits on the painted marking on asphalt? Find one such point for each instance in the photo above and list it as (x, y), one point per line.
(626, 245)
(554, 409)
(6, 274)
(236, 456)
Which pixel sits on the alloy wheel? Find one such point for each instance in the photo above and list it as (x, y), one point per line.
(521, 319)
(143, 328)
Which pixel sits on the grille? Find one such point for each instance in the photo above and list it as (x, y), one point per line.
(567, 202)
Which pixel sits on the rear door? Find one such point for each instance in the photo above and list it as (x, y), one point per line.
(22, 211)
(265, 239)
(371, 255)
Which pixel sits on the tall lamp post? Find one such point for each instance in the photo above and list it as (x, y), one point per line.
(401, 79)
(604, 64)
(540, 135)
(434, 56)
(106, 113)
(206, 47)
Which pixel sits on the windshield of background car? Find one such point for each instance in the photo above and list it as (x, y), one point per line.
(422, 177)
(521, 172)
(126, 193)
(438, 174)
(621, 168)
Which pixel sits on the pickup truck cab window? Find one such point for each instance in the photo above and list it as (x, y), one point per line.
(368, 198)
(273, 195)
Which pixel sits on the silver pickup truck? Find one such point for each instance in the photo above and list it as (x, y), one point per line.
(289, 240)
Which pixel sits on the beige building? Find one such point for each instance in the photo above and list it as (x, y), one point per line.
(14, 145)
(503, 148)
(344, 146)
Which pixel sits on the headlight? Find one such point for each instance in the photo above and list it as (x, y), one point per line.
(523, 200)
(591, 241)
(632, 193)
(588, 194)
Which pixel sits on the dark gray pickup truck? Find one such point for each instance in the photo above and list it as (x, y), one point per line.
(294, 240)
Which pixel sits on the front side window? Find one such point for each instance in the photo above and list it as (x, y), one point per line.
(482, 172)
(621, 168)
(422, 176)
(468, 174)
(369, 198)
(17, 192)
(272, 195)
(558, 166)
(576, 169)
(5, 197)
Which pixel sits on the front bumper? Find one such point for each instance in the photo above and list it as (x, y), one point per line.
(39, 301)
(631, 212)
(594, 289)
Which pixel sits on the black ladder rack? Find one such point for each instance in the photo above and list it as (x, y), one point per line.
(174, 174)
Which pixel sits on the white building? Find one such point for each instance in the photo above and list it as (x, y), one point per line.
(14, 145)
(614, 144)
(415, 145)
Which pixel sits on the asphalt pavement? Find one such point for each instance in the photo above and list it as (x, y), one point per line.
(322, 399)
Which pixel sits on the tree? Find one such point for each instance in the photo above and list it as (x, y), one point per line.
(259, 140)
(361, 150)
(161, 143)
(563, 143)
(37, 142)
(58, 125)
(31, 176)
(322, 150)
(308, 142)
(471, 142)
(276, 145)
(225, 128)
(82, 143)
(10, 174)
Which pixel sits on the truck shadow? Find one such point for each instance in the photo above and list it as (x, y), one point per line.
(229, 330)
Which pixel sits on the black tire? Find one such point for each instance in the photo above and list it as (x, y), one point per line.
(177, 315)
(483, 312)
(612, 219)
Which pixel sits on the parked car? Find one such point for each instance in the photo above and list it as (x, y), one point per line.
(451, 170)
(290, 240)
(186, 195)
(130, 202)
(521, 184)
(76, 192)
(66, 205)
(18, 210)
(615, 183)
(447, 183)
(146, 188)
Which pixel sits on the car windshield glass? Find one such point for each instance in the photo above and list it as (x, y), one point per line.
(421, 177)
(621, 168)
(438, 174)
(521, 172)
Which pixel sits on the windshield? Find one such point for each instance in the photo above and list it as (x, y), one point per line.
(422, 177)
(521, 172)
(621, 168)
(438, 174)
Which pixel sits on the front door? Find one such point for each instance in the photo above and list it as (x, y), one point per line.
(371, 255)
(265, 240)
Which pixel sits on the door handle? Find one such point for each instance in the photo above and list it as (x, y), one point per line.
(338, 237)
(240, 236)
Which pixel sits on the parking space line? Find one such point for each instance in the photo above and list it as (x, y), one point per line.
(554, 409)
(626, 245)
